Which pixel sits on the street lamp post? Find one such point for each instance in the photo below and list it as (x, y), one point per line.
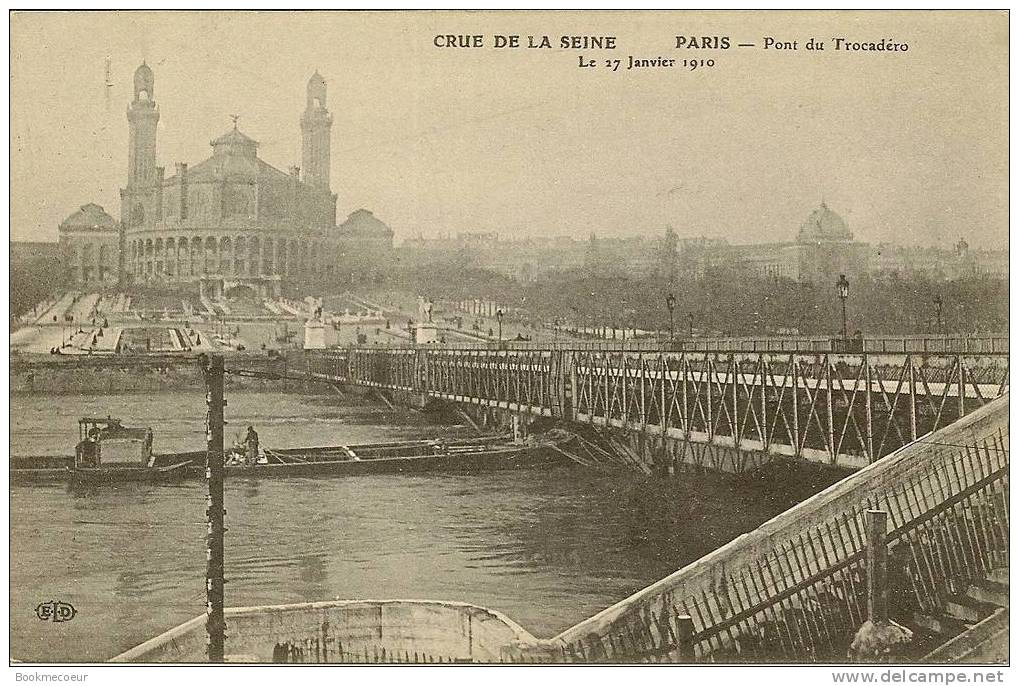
(842, 286)
(689, 317)
(941, 323)
(670, 302)
(623, 318)
(498, 315)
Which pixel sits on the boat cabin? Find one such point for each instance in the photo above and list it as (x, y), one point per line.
(105, 442)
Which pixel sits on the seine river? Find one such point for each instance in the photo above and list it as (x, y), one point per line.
(547, 546)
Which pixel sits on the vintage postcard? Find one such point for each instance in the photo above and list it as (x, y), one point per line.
(509, 337)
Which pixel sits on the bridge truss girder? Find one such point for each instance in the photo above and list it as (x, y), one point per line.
(844, 409)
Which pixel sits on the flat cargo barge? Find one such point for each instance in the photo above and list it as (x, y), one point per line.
(466, 455)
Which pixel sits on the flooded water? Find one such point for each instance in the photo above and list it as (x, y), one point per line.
(546, 546)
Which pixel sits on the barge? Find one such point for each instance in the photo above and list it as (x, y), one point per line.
(108, 452)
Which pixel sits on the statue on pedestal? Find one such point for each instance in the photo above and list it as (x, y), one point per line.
(424, 310)
(314, 308)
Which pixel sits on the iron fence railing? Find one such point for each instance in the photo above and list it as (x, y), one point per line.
(998, 343)
(793, 590)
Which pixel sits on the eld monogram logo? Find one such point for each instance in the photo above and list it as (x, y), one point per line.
(55, 610)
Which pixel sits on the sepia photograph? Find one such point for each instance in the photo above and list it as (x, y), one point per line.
(555, 338)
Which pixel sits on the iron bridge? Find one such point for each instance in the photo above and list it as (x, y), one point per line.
(836, 408)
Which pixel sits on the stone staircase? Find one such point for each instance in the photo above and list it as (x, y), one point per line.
(209, 309)
(974, 625)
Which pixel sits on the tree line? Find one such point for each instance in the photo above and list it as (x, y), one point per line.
(729, 301)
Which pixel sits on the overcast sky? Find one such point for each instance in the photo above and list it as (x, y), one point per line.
(908, 147)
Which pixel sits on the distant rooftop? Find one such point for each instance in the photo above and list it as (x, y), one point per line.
(90, 217)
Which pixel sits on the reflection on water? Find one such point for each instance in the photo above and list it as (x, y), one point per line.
(548, 547)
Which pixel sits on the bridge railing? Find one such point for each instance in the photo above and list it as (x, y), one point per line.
(951, 344)
(888, 344)
(794, 589)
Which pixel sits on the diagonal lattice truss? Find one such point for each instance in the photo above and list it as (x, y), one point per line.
(527, 381)
(847, 409)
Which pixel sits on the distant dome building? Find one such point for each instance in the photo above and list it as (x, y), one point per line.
(824, 249)
(370, 250)
(365, 224)
(231, 223)
(824, 225)
(90, 217)
(89, 245)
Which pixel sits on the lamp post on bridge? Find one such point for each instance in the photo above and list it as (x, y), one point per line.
(842, 286)
(941, 322)
(670, 302)
(689, 317)
(498, 316)
(622, 317)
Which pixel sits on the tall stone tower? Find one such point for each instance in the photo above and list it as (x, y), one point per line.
(143, 116)
(315, 125)
(140, 199)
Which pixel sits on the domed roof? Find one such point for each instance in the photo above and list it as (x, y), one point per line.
(90, 217)
(363, 222)
(234, 142)
(824, 225)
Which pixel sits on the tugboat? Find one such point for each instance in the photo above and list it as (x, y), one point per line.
(109, 452)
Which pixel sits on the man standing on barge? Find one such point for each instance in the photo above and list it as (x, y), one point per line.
(251, 441)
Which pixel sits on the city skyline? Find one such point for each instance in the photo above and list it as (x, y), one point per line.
(423, 138)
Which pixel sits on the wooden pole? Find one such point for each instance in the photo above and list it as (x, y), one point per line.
(877, 566)
(215, 623)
